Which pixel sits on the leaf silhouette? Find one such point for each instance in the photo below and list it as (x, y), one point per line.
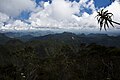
(105, 18)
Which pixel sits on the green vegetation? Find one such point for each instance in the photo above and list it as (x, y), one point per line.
(57, 60)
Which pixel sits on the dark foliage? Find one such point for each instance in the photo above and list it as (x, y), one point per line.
(52, 60)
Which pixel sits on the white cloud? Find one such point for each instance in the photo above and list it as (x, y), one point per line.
(115, 9)
(60, 14)
(3, 18)
(17, 25)
(15, 7)
(55, 15)
(89, 4)
(62, 9)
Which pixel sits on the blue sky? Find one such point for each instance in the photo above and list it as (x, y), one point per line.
(98, 4)
(55, 14)
(102, 3)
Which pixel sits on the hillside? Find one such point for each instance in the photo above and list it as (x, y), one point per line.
(100, 39)
(3, 38)
(58, 57)
(66, 37)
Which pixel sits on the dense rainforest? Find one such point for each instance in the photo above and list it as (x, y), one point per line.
(64, 57)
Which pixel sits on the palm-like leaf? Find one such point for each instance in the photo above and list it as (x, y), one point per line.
(105, 18)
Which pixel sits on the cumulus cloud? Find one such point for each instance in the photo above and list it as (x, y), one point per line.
(15, 7)
(3, 18)
(62, 9)
(89, 4)
(17, 25)
(60, 14)
(65, 16)
(115, 9)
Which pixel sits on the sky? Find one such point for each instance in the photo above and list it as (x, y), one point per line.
(59, 15)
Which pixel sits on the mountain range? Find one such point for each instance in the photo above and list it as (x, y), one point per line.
(65, 37)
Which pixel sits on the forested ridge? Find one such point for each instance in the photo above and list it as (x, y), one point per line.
(58, 58)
